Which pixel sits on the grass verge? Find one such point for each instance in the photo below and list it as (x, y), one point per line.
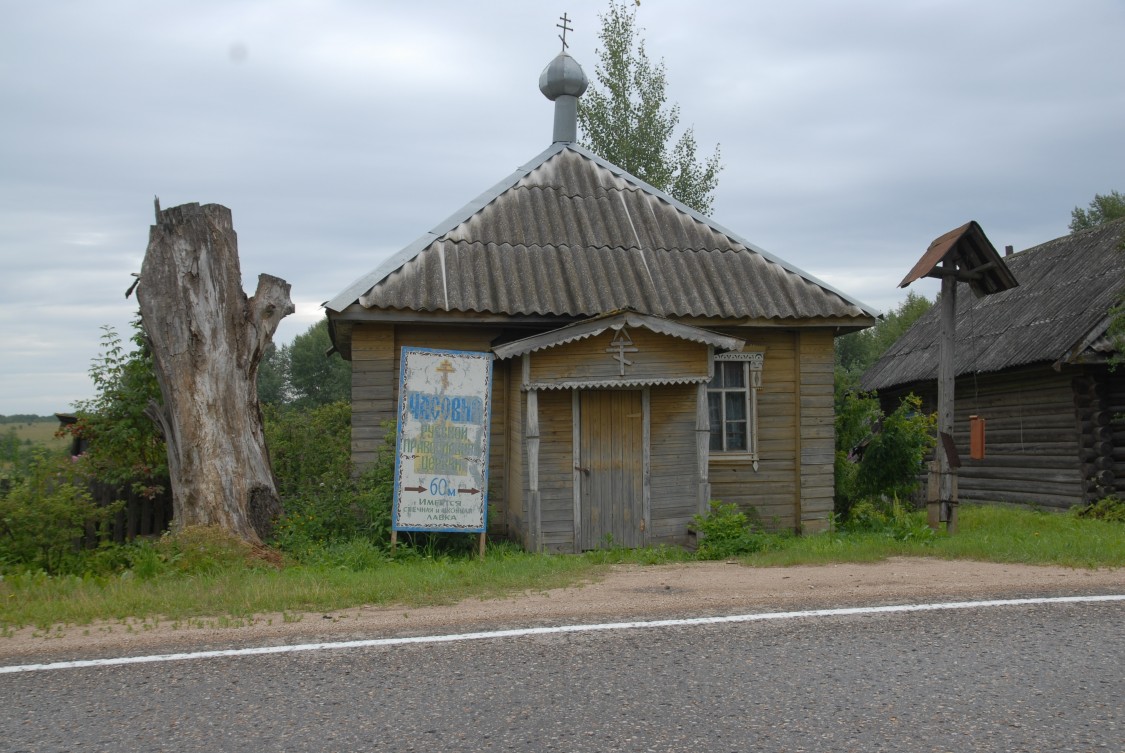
(363, 575)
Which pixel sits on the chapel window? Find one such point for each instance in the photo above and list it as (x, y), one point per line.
(732, 403)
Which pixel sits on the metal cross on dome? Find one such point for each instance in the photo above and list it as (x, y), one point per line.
(565, 29)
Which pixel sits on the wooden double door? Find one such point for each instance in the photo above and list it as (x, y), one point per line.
(610, 469)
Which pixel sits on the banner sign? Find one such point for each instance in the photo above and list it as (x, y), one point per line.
(441, 468)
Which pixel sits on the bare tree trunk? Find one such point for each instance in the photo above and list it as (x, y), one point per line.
(207, 340)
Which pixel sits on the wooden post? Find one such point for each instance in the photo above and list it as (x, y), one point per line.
(946, 486)
(534, 512)
(702, 450)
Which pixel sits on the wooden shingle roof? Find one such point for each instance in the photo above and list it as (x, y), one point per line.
(571, 236)
(1058, 314)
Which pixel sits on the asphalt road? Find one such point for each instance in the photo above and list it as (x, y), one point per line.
(1013, 678)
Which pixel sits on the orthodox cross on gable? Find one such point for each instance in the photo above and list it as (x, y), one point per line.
(621, 345)
(445, 368)
(565, 29)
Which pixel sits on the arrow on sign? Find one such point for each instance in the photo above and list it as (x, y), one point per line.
(468, 491)
(418, 489)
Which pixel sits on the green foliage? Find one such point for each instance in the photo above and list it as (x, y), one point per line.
(1102, 209)
(891, 520)
(625, 119)
(727, 532)
(13, 450)
(124, 444)
(26, 418)
(889, 464)
(302, 374)
(856, 415)
(271, 376)
(314, 377)
(892, 462)
(44, 516)
(310, 452)
(1107, 508)
(355, 555)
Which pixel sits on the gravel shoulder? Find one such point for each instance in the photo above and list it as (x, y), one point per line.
(629, 592)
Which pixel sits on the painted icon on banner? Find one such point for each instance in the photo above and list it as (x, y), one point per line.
(441, 469)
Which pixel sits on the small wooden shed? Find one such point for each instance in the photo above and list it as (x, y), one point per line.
(1035, 362)
(647, 359)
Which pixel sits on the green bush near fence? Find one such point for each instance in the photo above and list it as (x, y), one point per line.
(45, 514)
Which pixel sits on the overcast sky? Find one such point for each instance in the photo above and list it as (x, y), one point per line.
(852, 134)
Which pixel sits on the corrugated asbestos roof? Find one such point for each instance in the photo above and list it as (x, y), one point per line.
(1060, 308)
(571, 235)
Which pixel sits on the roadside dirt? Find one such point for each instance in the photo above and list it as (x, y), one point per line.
(626, 593)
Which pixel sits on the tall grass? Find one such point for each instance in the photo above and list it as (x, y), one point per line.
(985, 533)
(226, 588)
(242, 592)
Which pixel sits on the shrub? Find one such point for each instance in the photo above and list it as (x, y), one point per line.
(895, 457)
(889, 519)
(879, 458)
(324, 503)
(44, 516)
(727, 532)
(125, 447)
(1107, 508)
(856, 414)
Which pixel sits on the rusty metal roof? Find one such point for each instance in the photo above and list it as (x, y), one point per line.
(973, 257)
(571, 236)
(1058, 314)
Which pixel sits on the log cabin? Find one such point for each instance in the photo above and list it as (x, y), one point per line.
(1036, 363)
(646, 359)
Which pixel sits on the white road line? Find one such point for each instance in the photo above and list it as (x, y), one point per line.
(521, 632)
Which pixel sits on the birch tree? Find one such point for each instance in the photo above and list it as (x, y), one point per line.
(626, 119)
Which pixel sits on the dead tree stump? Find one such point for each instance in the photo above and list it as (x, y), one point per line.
(207, 341)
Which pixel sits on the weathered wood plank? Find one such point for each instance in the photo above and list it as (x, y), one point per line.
(597, 359)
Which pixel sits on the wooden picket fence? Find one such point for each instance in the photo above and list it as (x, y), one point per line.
(140, 516)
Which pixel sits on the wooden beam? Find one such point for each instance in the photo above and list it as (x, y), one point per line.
(946, 491)
(534, 512)
(702, 448)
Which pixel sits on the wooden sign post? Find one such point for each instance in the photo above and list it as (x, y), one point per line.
(441, 463)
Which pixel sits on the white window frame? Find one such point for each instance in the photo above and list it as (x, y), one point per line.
(752, 363)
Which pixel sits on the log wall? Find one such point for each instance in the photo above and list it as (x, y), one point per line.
(1115, 409)
(1043, 439)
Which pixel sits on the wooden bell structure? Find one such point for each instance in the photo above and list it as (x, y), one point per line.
(961, 255)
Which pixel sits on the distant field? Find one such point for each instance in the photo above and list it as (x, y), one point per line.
(41, 432)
